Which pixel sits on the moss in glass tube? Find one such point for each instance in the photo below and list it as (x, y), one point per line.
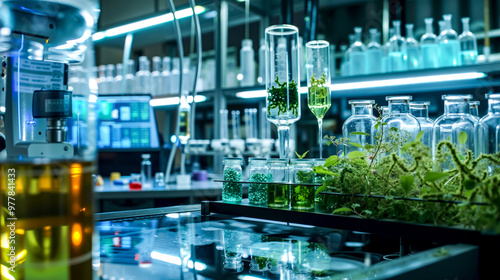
(285, 97)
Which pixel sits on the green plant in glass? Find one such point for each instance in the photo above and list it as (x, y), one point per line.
(378, 170)
(302, 196)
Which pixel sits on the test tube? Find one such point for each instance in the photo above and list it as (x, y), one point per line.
(265, 125)
(224, 131)
(248, 124)
(235, 116)
(254, 123)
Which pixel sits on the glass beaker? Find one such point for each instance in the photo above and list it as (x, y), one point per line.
(318, 83)
(278, 194)
(357, 55)
(258, 173)
(302, 196)
(456, 125)
(488, 129)
(468, 44)
(400, 118)
(232, 191)
(282, 81)
(361, 120)
(429, 46)
(448, 45)
(420, 110)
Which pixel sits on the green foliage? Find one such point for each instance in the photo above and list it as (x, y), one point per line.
(397, 166)
(301, 156)
(285, 97)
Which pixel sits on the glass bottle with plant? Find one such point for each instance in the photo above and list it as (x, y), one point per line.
(282, 76)
(278, 194)
(302, 196)
(318, 82)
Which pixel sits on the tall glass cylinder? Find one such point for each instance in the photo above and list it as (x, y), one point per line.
(282, 80)
(318, 83)
(420, 110)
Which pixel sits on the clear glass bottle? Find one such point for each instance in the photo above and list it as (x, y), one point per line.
(420, 110)
(468, 44)
(412, 49)
(400, 118)
(258, 172)
(184, 112)
(361, 120)
(278, 194)
(385, 50)
(357, 55)
(397, 50)
(474, 109)
(374, 54)
(247, 63)
(429, 46)
(130, 80)
(143, 76)
(442, 26)
(166, 85)
(448, 45)
(232, 191)
(156, 84)
(118, 78)
(146, 177)
(174, 75)
(344, 64)
(455, 120)
(302, 196)
(488, 129)
(159, 180)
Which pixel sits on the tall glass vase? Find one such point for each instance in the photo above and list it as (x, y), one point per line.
(282, 81)
(318, 83)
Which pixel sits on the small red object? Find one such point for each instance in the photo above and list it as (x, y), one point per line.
(135, 185)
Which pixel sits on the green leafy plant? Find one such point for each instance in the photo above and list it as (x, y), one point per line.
(413, 172)
(285, 97)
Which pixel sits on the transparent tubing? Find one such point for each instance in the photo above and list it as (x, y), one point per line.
(282, 80)
(318, 83)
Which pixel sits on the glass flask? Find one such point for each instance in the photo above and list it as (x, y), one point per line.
(468, 44)
(361, 120)
(452, 125)
(412, 49)
(282, 81)
(247, 63)
(474, 108)
(258, 172)
(420, 110)
(489, 127)
(232, 191)
(302, 196)
(262, 62)
(156, 80)
(143, 84)
(48, 153)
(399, 117)
(344, 64)
(374, 54)
(429, 46)
(278, 194)
(448, 45)
(166, 77)
(318, 83)
(357, 55)
(397, 50)
(385, 50)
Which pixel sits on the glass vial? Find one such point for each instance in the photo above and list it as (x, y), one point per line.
(361, 120)
(468, 44)
(174, 76)
(420, 110)
(357, 55)
(118, 78)
(374, 54)
(156, 77)
(488, 129)
(399, 117)
(412, 49)
(184, 115)
(146, 179)
(159, 180)
(397, 50)
(302, 196)
(110, 77)
(258, 173)
(448, 45)
(130, 80)
(452, 125)
(278, 194)
(429, 46)
(232, 191)
(166, 85)
(143, 76)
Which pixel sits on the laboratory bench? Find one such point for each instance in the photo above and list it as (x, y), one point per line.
(185, 242)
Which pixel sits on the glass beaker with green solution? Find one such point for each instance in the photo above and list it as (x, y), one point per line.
(318, 83)
(302, 196)
(278, 194)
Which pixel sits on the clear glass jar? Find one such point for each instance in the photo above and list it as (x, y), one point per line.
(420, 110)
(258, 172)
(455, 120)
(232, 191)
(278, 194)
(302, 196)
(357, 55)
(361, 120)
(488, 130)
